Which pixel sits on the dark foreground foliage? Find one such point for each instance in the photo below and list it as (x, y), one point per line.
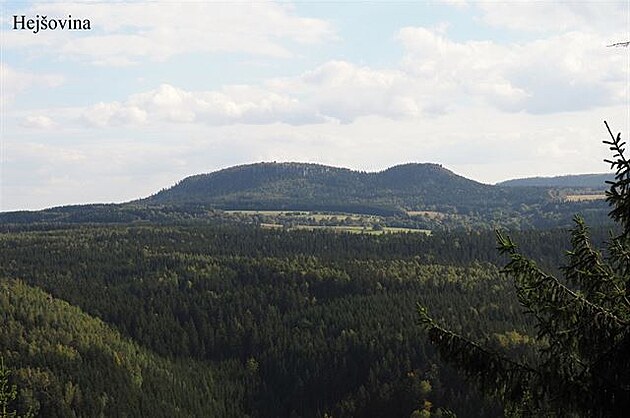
(582, 320)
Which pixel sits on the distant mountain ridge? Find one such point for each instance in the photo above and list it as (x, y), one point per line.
(416, 195)
(313, 186)
(591, 181)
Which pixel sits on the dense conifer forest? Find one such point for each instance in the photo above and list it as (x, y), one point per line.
(236, 320)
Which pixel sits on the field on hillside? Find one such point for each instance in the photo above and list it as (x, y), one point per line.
(585, 197)
(313, 220)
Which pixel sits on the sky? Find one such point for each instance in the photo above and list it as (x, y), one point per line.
(156, 91)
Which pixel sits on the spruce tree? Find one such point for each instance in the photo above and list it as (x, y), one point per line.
(582, 321)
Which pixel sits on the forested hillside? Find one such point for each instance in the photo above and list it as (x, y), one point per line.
(67, 363)
(300, 186)
(207, 320)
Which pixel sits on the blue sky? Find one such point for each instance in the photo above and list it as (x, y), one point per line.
(157, 91)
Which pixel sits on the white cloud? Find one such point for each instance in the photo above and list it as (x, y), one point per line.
(230, 105)
(460, 4)
(126, 33)
(40, 157)
(343, 91)
(15, 81)
(566, 72)
(337, 91)
(556, 17)
(38, 122)
(44, 174)
(113, 114)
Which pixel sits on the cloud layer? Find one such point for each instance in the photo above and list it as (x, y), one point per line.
(435, 75)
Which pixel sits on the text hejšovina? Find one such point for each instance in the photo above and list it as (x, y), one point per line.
(41, 23)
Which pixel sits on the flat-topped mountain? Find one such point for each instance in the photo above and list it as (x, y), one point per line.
(590, 181)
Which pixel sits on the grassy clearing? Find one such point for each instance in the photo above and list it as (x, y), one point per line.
(270, 226)
(305, 214)
(399, 230)
(584, 197)
(337, 228)
(428, 213)
(259, 212)
(328, 216)
(361, 229)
